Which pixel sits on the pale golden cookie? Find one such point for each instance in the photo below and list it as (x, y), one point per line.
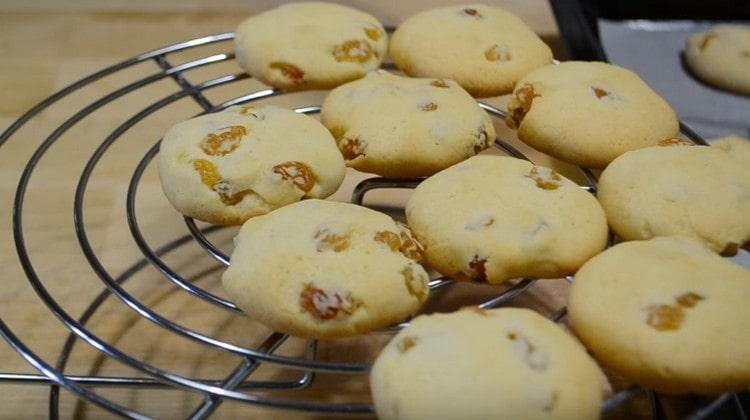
(485, 49)
(505, 363)
(495, 218)
(721, 57)
(667, 314)
(323, 269)
(736, 146)
(588, 113)
(695, 191)
(403, 127)
(311, 45)
(228, 166)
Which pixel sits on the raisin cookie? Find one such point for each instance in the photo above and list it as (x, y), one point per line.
(588, 113)
(322, 269)
(474, 364)
(403, 127)
(495, 218)
(736, 146)
(485, 49)
(310, 45)
(721, 57)
(666, 313)
(229, 166)
(695, 191)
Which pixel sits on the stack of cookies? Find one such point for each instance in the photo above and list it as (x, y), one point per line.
(320, 269)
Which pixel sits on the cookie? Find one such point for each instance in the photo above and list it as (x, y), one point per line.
(695, 191)
(588, 113)
(721, 57)
(403, 127)
(736, 146)
(495, 218)
(310, 45)
(322, 269)
(666, 313)
(226, 167)
(475, 364)
(485, 49)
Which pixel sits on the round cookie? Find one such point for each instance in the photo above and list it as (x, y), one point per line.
(495, 218)
(311, 45)
(322, 269)
(403, 127)
(245, 161)
(475, 364)
(721, 57)
(588, 113)
(736, 146)
(485, 49)
(694, 191)
(667, 314)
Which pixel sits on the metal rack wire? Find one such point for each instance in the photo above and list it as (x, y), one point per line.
(236, 386)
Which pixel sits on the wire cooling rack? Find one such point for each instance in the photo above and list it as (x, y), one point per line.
(236, 386)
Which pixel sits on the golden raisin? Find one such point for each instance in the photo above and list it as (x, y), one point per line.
(207, 171)
(373, 34)
(730, 249)
(222, 144)
(401, 242)
(665, 317)
(407, 343)
(706, 39)
(439, 83)
(353, 50)
(497, 53)
(329, 241)
(389, 238)
(414, 284)
(352, 148)
(428, 106)
(326, 304)
(478, 268)
(289, 70)
(298, 173)
(472, 12)
(688, 300)
(247, 110)
(520, 104)
(675, 142)
(600, 93)
(545, 178)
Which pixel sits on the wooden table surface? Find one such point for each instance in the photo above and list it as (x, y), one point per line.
(49, 44)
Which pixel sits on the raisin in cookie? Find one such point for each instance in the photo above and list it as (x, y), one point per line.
(474, 364)
(403, 127)
(226, 167)
(485, 49)
(695, 191)
(737, 147)
(322, 269)
(667, 314)
(310, 45)
(588, 113)
(495, 218)
(721, 57)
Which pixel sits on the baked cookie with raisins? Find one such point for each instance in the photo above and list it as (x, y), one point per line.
(403, 127)
(737, 147)
(485, 49)
(588, 113)
(323, 269)
(311, 45)
(495, 218)
(667, 314)
(507, 363)
(694, 191)
(226, 167)
(721, 57)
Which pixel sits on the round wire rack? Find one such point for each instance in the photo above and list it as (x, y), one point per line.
(236, 386)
